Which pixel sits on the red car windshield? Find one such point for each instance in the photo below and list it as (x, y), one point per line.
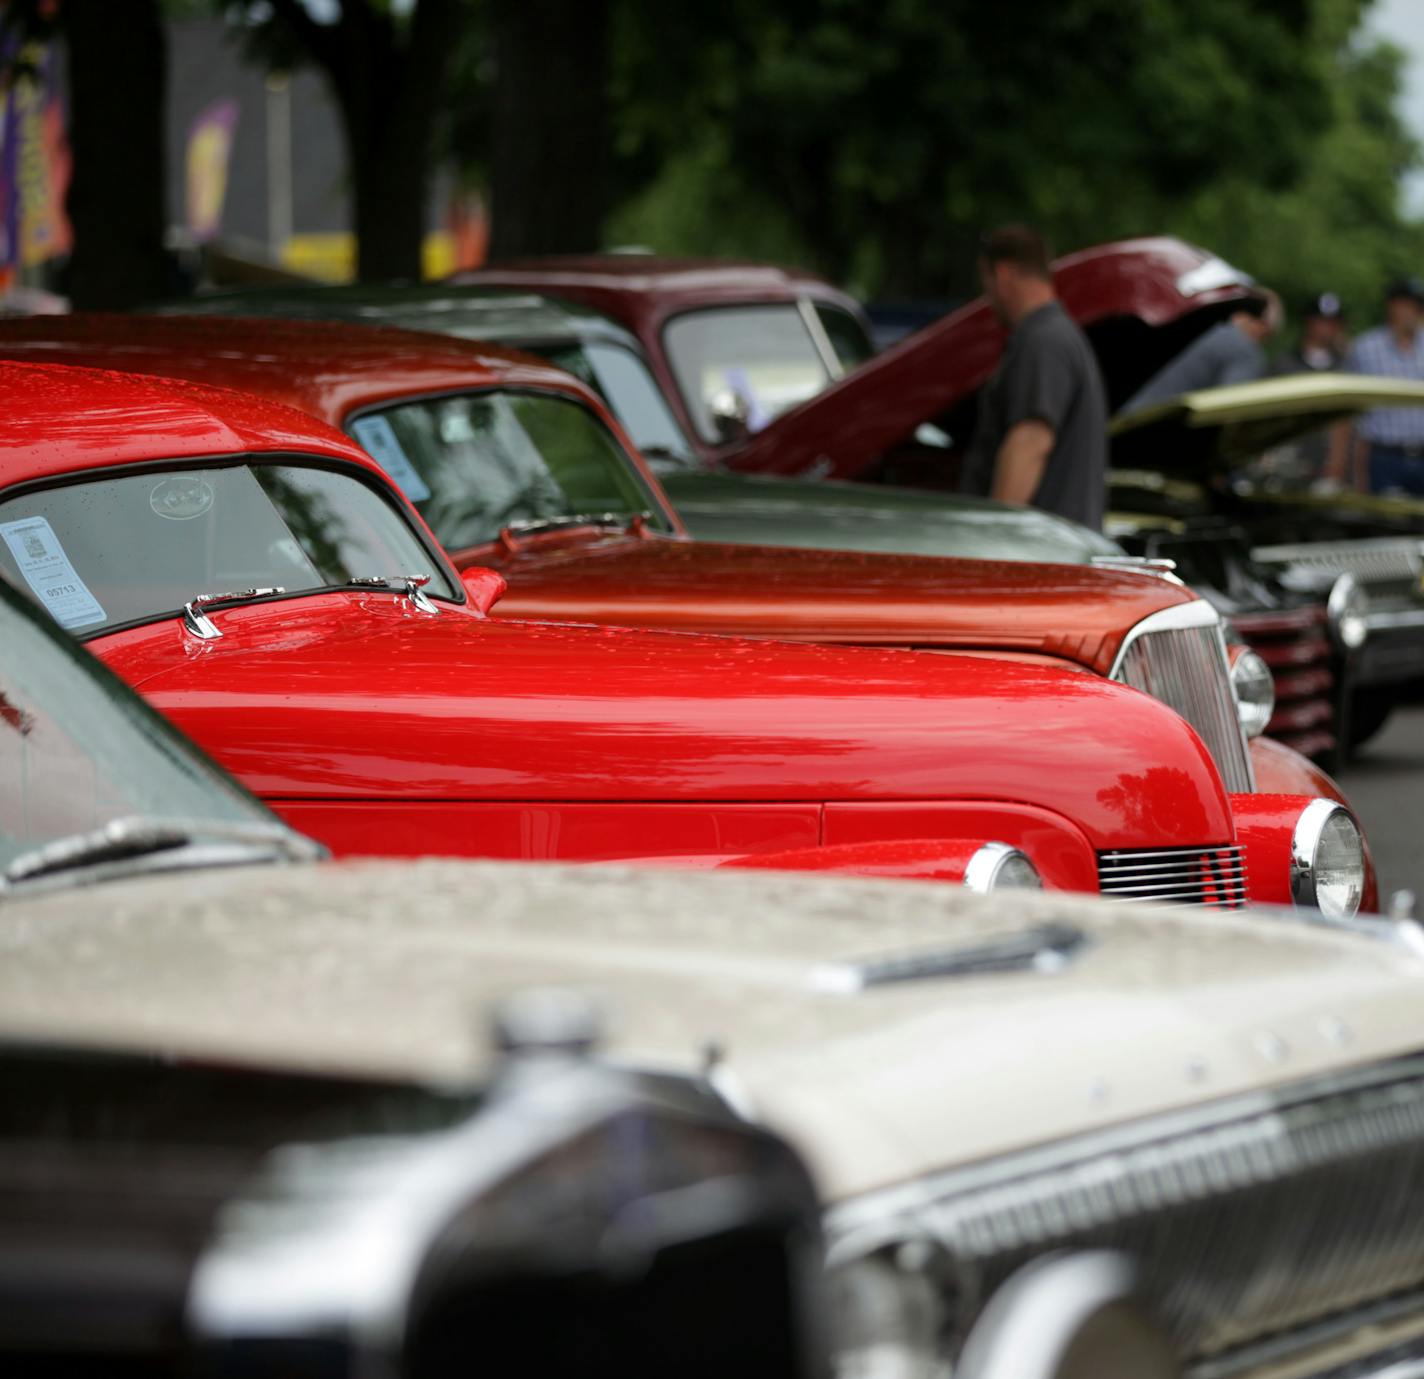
(478, 462)
(116, 549)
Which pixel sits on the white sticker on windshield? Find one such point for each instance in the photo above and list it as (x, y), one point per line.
(49, 573)
(376, 435)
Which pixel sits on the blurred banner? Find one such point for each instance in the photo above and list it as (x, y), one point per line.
(209, 154)
(34, 166)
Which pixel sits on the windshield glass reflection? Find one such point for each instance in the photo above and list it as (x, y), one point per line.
(113, 550)
(475, 463)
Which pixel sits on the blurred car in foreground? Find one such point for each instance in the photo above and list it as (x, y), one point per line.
(168, 1206)
(249, 1125)
(517, 468)
(1163, 1145)
(264, 583)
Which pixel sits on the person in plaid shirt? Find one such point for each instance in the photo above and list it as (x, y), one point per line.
(1389, 444)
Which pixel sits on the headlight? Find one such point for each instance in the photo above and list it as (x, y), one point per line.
(998, 867)
(1348, 609)
(1255, 688)
(1327, 860)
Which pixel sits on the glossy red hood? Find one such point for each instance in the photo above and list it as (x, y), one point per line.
(1134, 297)
(1072, 611)
(346, 697)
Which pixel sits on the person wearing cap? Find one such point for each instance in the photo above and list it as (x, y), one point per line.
(1390, 442)
(1321, 346)
(1232, 351)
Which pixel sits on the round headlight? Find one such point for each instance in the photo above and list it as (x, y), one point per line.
(1255, 688)
(998, 867)
(1328, 860)
(1348, 609)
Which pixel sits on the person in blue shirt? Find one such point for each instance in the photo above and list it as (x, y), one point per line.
(1389, 444)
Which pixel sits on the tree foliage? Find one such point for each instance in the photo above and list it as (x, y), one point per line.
(879, 139)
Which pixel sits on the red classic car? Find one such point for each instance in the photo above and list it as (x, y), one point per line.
(517, 467)
(813, 403)
(259, 579)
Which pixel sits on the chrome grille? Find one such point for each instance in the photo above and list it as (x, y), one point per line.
(1379, 560)
(1185, 667)
(1175, 876)
(1270, 1226)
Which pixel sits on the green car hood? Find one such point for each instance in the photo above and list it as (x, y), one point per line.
(826, 515)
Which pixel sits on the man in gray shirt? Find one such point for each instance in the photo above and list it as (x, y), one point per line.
(1041, 437)
(1230, 352)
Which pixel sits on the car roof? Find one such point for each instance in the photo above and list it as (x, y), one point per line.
(61, 419)
(325, 368)
(642, 290)
(498, 314)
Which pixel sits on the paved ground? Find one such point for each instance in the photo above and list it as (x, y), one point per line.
(1385, 784)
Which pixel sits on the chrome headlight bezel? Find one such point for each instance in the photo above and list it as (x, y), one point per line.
(1255, 689)
(1326, 824)
(999, 867)
(1347, 612)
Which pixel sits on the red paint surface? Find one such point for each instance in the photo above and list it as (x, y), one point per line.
(400, 732)
(332, 370)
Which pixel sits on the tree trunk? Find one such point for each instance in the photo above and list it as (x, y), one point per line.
(550, 123)
(390, 178)
(117, 86)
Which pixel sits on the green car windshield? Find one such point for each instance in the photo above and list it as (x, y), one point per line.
(624, 381)
(117, 549)
(476, 463)
(79, 750)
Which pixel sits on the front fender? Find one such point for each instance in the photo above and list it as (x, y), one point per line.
(1265, 825)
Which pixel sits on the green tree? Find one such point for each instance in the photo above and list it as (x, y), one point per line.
(884, 136)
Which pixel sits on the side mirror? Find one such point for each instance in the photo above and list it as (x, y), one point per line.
(483, 587)
(731, 416)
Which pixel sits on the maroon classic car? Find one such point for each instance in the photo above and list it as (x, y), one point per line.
(262, 582)
(517, 467)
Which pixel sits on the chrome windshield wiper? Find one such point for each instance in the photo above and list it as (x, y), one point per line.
(195, 619)
(412, 586)
(135, 838)
(525, 526)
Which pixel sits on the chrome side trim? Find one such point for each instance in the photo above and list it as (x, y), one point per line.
(1043, 948)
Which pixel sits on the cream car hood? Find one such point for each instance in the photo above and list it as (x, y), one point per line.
(383, 967)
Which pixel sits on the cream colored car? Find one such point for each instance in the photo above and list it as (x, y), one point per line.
(1054, 1137)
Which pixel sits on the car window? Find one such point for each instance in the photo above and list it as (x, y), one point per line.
(112, 550)
(79, 750)
(763, 356)
(626, 384)
(847, 336)
(483, 460)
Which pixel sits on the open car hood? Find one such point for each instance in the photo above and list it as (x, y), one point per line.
(1140, 300)
(1213, 429)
